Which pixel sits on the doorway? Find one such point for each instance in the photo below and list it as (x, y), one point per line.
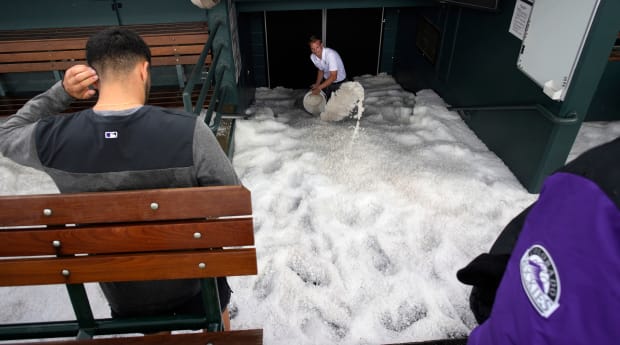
(355, 33)
(287, 47)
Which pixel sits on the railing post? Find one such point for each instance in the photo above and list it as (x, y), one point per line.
(220, 76)
(187, 92)
(211, 304)
(82, 310)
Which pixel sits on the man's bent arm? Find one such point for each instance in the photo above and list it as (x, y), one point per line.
(17, 132)
(333, 75)
(319, 78)
(53, 101)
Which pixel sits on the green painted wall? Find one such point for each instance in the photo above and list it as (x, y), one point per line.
(485, 54)
(60, 13)
(477, 57)
(69, 13)
(476, 67)
(252, 39)
(411, 69)
(605, 105)
(159, 11)
(388, 47)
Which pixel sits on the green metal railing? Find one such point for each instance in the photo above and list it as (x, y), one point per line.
(219, 46)
(85, 326)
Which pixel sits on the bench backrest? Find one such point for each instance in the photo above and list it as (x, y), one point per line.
(171, 98)
(71, 239)
(61, 48)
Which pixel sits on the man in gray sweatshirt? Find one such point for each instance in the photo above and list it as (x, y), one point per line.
(120, 144)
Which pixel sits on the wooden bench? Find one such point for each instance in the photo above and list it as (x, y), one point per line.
(72, 239)
(56, 49)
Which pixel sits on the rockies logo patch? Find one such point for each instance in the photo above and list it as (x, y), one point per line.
(540, 280)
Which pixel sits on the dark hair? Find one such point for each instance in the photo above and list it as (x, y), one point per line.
(313, 39)
(117, 49)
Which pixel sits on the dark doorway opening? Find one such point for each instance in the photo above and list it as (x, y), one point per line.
(355, 33)
(288, 51)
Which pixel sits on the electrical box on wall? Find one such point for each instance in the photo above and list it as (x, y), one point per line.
(553, 41)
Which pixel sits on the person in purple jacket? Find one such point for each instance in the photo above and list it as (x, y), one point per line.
(553, 274)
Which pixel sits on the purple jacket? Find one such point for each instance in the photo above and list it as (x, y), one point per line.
(562, 282)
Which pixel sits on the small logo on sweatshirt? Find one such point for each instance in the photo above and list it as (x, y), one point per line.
(111, 135)
(540, 279)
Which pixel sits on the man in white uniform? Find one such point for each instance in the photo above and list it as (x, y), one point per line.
(331, 71)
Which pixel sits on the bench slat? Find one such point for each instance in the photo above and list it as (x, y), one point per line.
(63, 65)
(39, 66)
(52, 44)
(166, 40)
(159, 97)
(240, 337)
(188, 49)
(55, 44)
(173, 60)
(127, 238)
(48, 56)
(128, 267)
(42, 56)
(84, 31)
(125, 206)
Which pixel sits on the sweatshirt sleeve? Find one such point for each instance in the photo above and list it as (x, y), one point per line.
(212, 164)
(17, 133)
